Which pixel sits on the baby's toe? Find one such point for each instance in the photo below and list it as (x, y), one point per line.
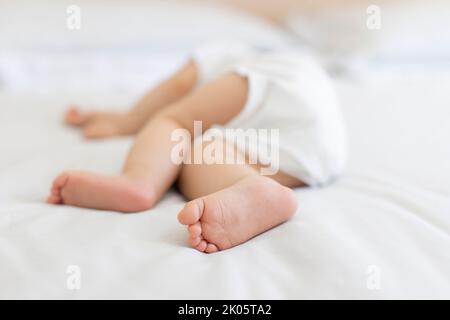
(194, 242)
(55, 191)
(74, 116)
(195, 230)
(53, 199)
(202, 246)
(191, 212)
(210, 248)
(60, 181)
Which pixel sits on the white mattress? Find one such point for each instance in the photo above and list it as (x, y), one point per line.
(381, 231)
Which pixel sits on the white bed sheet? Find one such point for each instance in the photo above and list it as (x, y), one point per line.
(386, 219)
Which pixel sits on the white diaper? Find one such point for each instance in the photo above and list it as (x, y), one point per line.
(290, 92)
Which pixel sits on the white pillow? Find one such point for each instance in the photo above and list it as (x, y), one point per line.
(158, 25)
(415, 30)
(138, 40)
(410, 30)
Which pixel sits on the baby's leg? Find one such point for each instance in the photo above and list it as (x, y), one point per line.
(107, 124)
(233, 203)
(149, 170)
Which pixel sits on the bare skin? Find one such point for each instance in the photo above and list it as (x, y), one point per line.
(230, 203)
(235, 214)
(108, 124)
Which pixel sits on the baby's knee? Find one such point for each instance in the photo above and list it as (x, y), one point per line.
(175, 115)
(185, 79)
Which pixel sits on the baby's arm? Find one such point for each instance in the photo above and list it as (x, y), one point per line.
(108, 124)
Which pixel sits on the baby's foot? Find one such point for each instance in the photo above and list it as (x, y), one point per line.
(89, 190)
(99, 124)
(236, 214)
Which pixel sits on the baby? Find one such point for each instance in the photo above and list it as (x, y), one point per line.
(225, 86)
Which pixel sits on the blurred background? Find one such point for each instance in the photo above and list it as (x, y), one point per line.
(125, 45)
(390, 63)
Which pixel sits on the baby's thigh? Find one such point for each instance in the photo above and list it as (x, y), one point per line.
(217, 102)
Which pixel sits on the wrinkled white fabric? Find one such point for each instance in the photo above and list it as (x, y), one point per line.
(380, 231)
(289, 92)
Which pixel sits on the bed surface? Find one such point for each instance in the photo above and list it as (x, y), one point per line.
(386, 220)
(381, 231)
